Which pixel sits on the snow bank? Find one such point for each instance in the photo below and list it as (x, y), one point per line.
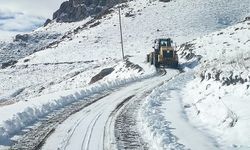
(17, 116)
(223, 55)
(217, 99)
(163, 122)
(154, 125)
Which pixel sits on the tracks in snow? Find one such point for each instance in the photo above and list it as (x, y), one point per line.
(88, 134)
(91, 124)
(126, 132)
(35, 136)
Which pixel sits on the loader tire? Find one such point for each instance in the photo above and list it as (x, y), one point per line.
(175, 65)
(152, 58)
(155, 60)
(148, 58)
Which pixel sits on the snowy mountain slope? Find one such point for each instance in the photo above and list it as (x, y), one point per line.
(217, 98)
(137, 42)
(23, 45)
(40, 79)
(190, 22)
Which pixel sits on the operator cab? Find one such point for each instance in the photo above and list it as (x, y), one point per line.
(162, 43)
(166, 42)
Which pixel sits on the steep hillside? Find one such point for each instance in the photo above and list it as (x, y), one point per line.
(223, 55)
(180, 19)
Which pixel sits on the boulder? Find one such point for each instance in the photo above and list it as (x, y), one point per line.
(19, 37)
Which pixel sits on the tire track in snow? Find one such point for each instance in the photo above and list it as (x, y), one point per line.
(96, 130)
(110, 120)
(37, 135)
(89, 132)
(78, 123)
(89, 123)
(73, 131)
(126, 132)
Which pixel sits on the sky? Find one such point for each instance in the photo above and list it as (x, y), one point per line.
(43, 8)
(19, 16)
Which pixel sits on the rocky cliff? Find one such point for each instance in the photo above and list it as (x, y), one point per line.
(76, 10)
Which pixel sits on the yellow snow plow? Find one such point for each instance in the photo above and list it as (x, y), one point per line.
(164, 54)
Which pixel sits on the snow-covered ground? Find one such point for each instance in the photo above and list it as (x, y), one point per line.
(17, 116)
(219, 95)
(60, 74)
(181, 20)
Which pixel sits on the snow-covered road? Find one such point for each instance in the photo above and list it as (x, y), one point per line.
(113, 120)
(92, 128)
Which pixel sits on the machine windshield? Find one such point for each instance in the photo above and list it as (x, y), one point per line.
(166, 42)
